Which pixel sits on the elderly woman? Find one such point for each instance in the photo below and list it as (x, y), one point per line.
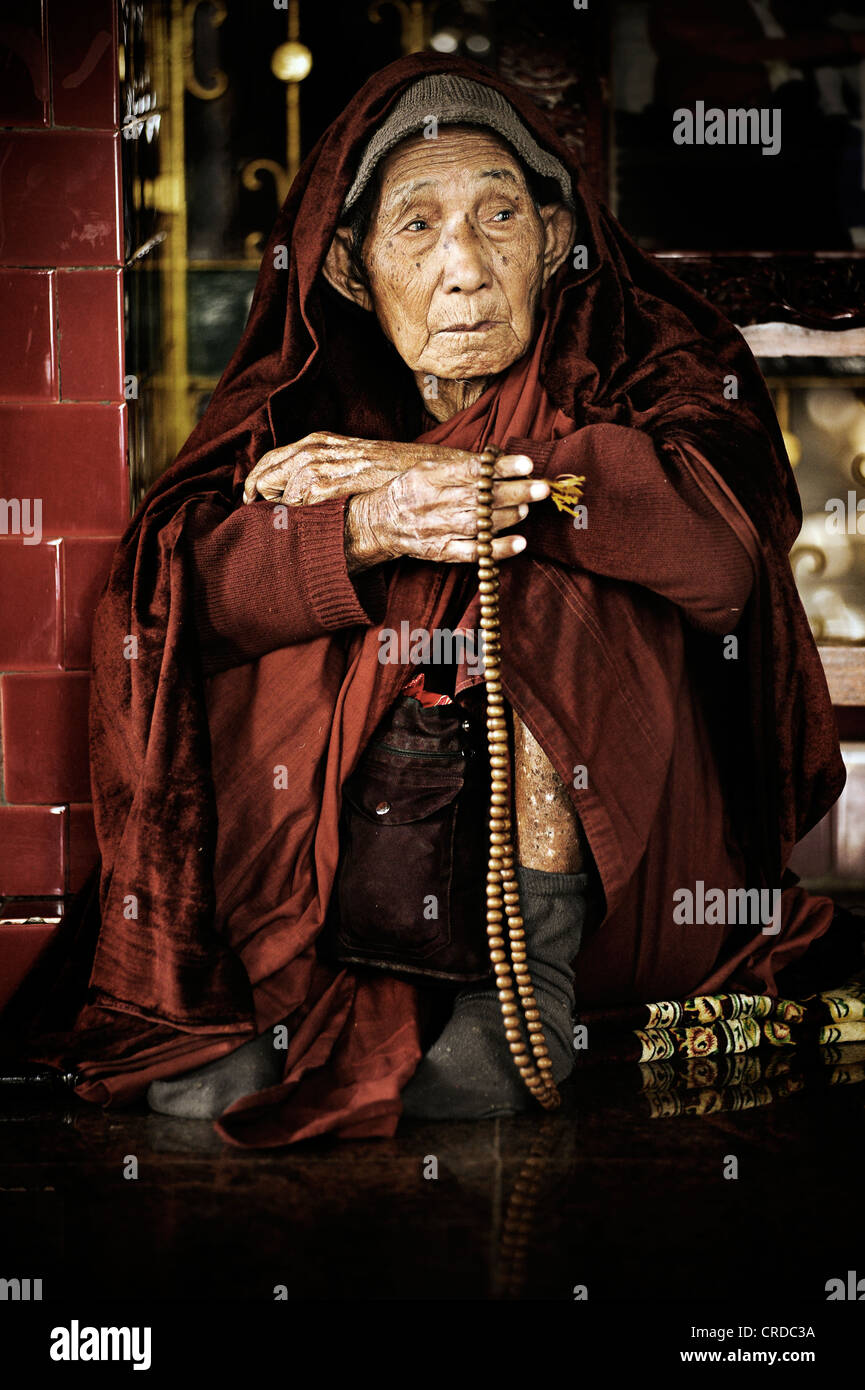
(441, 279)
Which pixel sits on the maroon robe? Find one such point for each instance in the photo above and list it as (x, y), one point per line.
(219, 754)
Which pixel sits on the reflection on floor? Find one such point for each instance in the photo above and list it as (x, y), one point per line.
(647, 1185)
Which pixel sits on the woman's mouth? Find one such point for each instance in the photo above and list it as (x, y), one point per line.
(480, 327)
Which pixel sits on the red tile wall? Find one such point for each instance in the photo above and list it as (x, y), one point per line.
(24, 88)
(64, 488)
(28, 363)
(90, 369)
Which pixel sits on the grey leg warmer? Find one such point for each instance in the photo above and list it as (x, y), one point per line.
(205, 1093)
(469, 1072)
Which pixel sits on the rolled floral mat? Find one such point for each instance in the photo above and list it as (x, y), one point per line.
(717, 1025)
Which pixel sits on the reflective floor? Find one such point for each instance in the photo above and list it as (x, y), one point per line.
(614, 1196)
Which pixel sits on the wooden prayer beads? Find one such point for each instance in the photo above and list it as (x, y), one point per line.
(519, 1009)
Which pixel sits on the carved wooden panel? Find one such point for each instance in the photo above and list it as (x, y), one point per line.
(815, 290)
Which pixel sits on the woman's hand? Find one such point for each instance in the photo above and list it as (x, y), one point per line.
(429, 512)
(322, 466)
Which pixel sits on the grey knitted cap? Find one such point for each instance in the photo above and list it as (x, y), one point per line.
(456, 101)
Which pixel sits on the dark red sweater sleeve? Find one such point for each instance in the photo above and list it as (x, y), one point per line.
(266, 577)
(647, 522)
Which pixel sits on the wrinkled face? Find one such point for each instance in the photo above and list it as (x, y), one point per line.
(457, 253)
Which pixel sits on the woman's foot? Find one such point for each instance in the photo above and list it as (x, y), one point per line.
(469, 1072)
(204, 1094)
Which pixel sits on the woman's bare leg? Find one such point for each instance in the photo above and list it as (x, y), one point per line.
(548, 829)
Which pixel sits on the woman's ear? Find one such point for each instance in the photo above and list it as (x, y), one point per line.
(338, 270)
(560, 227)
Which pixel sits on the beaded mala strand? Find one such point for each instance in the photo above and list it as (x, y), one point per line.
(503, 895)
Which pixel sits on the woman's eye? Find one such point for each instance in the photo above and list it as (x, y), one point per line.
(417, 225)
(505, 212)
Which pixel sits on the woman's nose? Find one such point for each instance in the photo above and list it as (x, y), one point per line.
(466, 269)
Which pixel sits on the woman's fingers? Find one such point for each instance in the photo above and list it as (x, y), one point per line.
(275, 471)
(320, 484)
(456, 490)
(503, 517)
(457, 469)
(269, 477)
(505, 547)
(513, 466)
(511, 494)
(466, 552)
(322, 465)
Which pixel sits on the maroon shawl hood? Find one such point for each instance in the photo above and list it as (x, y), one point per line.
(628, 345)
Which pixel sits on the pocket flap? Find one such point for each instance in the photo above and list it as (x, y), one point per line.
(391, 795)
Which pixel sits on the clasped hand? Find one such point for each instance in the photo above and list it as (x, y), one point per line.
(405, 499)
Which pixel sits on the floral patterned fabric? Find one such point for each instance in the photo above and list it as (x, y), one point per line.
(720, 1025)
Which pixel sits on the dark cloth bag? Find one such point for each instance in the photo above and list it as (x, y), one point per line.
(410, 892)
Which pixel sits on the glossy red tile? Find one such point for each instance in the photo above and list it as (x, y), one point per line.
(82, 40)
(86, 563)
(72, 460)
(28, 363)
(90, 315)
(31, 630)
(60, 198)
(21, 945)
(32, 849)
(83, 849)
(45, 737)
(23, 66)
